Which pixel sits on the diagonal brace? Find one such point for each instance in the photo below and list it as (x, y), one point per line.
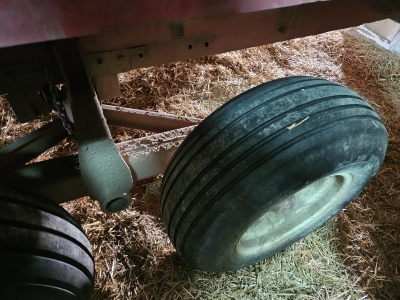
(105, 174)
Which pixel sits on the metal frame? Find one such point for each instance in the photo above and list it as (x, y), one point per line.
(32, 145)
(145, 120)
(99, 158)
(75, 18)
(61, 180)
(87, 55)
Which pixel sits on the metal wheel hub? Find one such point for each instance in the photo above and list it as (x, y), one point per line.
(294, 214)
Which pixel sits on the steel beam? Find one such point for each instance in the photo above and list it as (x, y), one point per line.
(56, 20)
(145, 120)
(74, 18)
(57, 179)
(247, 24)
(32, 145)
(60, 179)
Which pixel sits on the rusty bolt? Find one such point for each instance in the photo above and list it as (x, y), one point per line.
(100, 61)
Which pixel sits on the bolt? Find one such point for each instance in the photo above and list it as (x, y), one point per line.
(100, 61)
(282, 29)
(121, 58)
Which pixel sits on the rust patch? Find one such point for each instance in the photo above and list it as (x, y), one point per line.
(286, 19)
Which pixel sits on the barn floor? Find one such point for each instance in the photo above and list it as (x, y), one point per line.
(355, 256)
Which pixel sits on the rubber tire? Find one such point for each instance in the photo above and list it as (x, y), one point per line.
(44, 252)
(249, 154)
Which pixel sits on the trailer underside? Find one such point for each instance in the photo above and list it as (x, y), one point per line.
(66, 58)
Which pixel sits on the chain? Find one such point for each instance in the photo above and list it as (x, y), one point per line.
(58, 96)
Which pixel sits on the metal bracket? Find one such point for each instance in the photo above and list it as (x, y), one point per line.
(60, 179)
(105, 174)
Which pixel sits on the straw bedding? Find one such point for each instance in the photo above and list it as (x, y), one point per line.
(354, 256)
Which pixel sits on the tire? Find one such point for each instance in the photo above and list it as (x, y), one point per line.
(266, 169)
(44, 252)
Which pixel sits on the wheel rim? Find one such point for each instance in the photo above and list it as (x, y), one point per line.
(294, 215)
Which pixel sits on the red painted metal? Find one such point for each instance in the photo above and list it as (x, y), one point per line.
(33, 21)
